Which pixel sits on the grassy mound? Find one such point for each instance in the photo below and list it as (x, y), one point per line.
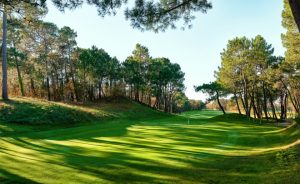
(28, 111)
(37, 112)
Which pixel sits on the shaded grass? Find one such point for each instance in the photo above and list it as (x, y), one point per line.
(27, 114)
(32, 112)
(145, 146)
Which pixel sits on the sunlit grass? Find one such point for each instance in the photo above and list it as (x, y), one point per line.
(146, 146)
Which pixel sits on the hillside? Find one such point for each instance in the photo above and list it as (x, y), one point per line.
(25, 114)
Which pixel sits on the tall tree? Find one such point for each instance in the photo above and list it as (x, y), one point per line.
(45, 34)
(67, 44)
(243, 72)
(144, 15)
(16, 55)
(291, 65)
(234, 71)
(136, 67)
(295, 6)
(7, 7)
(4, 54)
(214, 90)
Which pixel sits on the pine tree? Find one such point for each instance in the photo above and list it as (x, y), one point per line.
(291, 66)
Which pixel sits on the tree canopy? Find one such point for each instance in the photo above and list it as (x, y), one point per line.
(46, 62)
(214, 90)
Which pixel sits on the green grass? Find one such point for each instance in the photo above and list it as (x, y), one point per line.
(126, 142)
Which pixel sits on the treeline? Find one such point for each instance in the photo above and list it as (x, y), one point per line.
(45, 62)
(253, 75)
(261, 84)
(185, 104)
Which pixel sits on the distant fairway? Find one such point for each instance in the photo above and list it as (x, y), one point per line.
(137, 144)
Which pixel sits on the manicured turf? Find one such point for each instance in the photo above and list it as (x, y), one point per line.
(135, 144)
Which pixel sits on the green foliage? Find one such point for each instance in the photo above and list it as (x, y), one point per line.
(213, 89)
(183, 103)
(254, 77)
(52, 66)
(157, 16)
(153, 77)
(49, 64)
(291, 66)
(144, 14)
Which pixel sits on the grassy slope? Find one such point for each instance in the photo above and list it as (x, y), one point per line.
(131, 143)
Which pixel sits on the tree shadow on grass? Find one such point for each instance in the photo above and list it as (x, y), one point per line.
(137, 152)
(129, 162)
(10, 178)
(119, 161)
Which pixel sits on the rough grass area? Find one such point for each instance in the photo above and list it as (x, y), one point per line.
(33, 112)
(29, 111)
(140, 145)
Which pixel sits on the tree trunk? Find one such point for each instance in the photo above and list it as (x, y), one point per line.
(165, 100)
(4, 57)
(237, 103)
(250, 109)
(171, 104)
(272, 105)
(283, 106)
(246, 103)
(20, 78)
(137, 96)
(57, 86)
(130, 91)
(286, 105)
(73, 80)
(258, 106)
(48, 88)
(149, 100)
(295, 7)
(75, 88)
(255, 108)
(243, 103)
(110, 86)
(100, 89)
(84, 85)
(219, 103)
(142, 96)
(265, 106)
(32, 87)
(294, 100)
(157, 102)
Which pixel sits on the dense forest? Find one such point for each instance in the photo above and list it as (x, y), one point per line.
(261, 84)
(44, 61)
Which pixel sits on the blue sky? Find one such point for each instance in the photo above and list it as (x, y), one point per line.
(197, 50)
